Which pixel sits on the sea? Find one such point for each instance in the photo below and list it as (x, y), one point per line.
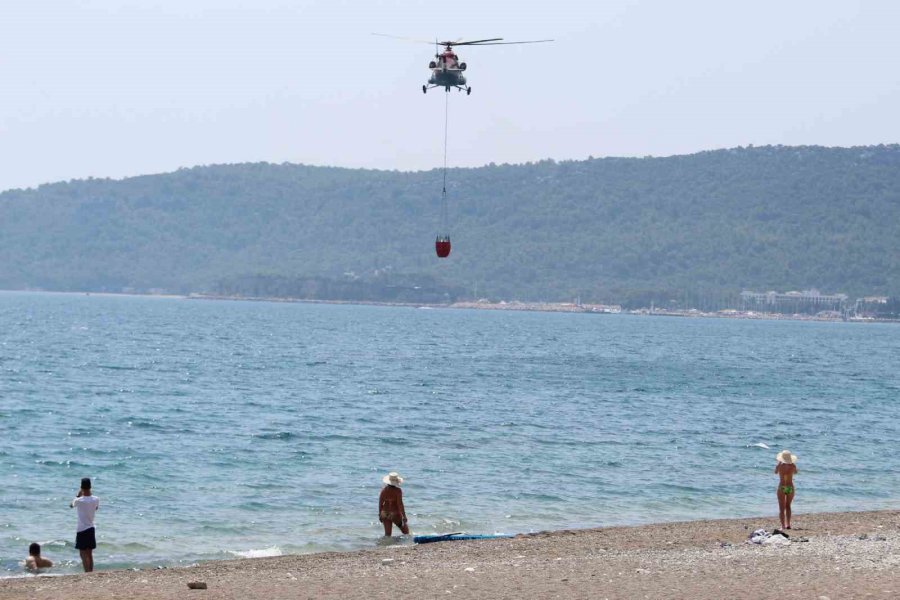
(225, 429)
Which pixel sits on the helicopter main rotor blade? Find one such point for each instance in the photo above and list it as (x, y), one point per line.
(469, 43)
(406, 39)
(505, 43)
(485, 42)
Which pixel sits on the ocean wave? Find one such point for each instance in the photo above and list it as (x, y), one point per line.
(218, 528)
(537, 496)
(677, 487)
(26, 575)
(255, 505)
(143, 424)
(278, 435)
(55, 543)
(256, 553)
(264, 486)
(68, 464)
(130, 547)
(332, 437)
(80, 431)
(395, 441)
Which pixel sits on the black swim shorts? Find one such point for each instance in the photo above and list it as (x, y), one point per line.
(86, 540)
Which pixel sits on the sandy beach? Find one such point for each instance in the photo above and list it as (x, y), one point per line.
(847, 555)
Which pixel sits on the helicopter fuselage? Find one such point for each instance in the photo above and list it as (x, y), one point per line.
(447, 72)
(447, 77)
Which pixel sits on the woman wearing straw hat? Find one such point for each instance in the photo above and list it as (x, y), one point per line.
(390, 504)
(786, 468)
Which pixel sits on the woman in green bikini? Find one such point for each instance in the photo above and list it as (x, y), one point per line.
(786, 468)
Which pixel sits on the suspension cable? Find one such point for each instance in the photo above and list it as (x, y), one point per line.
(444, 188)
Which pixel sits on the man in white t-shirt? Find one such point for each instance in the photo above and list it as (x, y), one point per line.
(86, 506)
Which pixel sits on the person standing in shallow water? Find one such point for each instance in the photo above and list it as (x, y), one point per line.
(86, 506)
(785, 468)
(390, 505)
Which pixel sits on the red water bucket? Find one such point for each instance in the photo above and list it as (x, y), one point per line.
(442, 246)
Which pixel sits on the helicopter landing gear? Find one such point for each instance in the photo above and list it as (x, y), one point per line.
(468, 91)
(424, 89)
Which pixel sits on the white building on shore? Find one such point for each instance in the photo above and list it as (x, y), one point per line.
(807, 301)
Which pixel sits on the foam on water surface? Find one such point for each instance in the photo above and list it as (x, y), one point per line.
(259, 553)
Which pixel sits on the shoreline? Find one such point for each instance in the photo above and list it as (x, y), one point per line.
(556, 307)
(846, 554)
(513, 306)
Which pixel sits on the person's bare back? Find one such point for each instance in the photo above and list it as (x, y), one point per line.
(786, 473)
(390, 505)
(35, 562)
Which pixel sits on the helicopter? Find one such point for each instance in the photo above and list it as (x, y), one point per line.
(447, 70)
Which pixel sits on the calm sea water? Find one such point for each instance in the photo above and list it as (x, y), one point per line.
(221, 429)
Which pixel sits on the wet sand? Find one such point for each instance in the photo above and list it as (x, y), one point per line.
(847, 555)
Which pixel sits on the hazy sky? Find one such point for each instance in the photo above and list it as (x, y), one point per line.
(115, 88)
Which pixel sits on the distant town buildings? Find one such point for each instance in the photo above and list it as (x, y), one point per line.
(805, 302)
(877, 307)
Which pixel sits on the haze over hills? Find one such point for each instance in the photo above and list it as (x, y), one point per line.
(627, 230)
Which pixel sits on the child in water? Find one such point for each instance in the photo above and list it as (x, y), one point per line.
(390, 505)
(785, 468)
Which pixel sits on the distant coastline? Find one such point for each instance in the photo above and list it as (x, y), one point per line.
(101, 294)
(514, 305)
(561, 307)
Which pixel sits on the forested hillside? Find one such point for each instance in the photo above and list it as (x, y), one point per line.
(607, 230)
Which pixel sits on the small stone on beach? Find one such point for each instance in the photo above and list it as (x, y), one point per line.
(197, 585)
(387, 561)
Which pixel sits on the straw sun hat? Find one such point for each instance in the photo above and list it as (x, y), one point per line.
(392, 478)
(786, 457)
